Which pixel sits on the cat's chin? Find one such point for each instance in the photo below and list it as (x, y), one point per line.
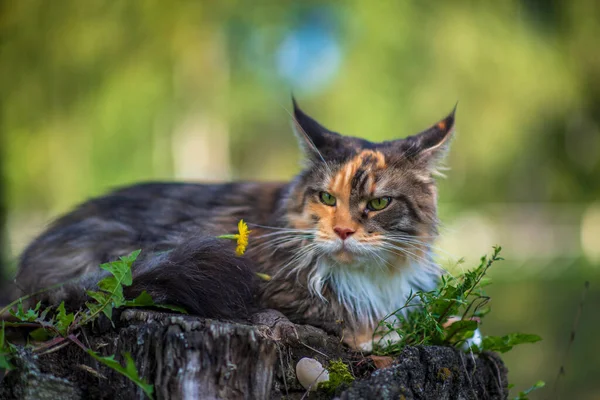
(344, 256)
(346, 253)
(349, 258)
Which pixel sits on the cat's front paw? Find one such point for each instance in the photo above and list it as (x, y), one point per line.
(366, 343)
(275, 325)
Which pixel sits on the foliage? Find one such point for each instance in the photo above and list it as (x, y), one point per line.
(5, 351)
(129, 371)
(505, 343)
(449, 316)
(430, 318)
(56, 326)
(339, 374)
(524, 394)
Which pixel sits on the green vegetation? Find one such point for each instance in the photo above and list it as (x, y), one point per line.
(98, 94)
(56, 326)
(339, 374)
(524, 395)
(449, 315)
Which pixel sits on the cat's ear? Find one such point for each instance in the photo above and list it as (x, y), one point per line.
(430, 146)
(316, 140)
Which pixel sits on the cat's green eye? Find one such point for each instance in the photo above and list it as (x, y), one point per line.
(327, 199)
(379, 204)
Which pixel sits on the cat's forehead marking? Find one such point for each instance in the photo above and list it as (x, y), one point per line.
(365, 161)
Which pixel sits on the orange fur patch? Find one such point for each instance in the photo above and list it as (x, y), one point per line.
(341, 186)
(355, 339)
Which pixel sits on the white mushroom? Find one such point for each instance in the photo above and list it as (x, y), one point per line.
(310, 373)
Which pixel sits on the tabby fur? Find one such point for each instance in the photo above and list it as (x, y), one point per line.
(351, 279)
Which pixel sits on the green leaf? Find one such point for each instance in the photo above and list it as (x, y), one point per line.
(63, 320)
(5, 352)
(95, 309)
(482, 311)
(523, 395)
(5, 362)
(120, 270)
(26, 316)
(2, 336)
(100, 297)
(131, 257)
(460, 330)
(104, 303)
(485, 282)
(121, 276)
(130, 370)
(145, 300)
(39, 334)
(505, 343)
(110, 294)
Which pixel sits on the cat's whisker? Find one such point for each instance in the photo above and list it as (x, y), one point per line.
(273, 243)
(407, 236)
(283, 239)
(277, 228)
(298, 255)
(283, 232)
(380, 261)
(413, 241)
(282, 236)
(370, 251)
(412, 255)
(280, 239)
(405, 247)
(423, 262)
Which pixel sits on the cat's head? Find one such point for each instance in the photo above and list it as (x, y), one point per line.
(359, 200)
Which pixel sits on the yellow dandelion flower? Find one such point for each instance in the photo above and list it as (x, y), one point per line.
(241, 237)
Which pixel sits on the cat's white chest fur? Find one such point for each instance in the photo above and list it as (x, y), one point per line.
(370, 292)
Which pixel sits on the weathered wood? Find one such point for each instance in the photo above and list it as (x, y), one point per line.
(191, 358)
(440, 373)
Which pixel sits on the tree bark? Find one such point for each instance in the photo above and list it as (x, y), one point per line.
(190, 358)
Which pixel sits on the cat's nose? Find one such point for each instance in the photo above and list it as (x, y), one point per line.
(343, 232)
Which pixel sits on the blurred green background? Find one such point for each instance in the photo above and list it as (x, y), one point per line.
(96, 94)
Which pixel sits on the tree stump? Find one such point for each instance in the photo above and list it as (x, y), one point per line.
(191, 358)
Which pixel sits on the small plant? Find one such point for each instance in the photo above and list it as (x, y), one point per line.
(55, 326)
(525, 393)
(449, 316)
(339, 374)
(6, 351)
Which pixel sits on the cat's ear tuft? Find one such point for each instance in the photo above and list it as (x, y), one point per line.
(431, 145)
(315, 139)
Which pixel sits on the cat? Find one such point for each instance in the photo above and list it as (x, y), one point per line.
(346, 240)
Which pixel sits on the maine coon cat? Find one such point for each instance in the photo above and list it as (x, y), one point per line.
(346, 240)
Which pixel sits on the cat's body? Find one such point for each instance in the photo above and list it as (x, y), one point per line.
(347, 240)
